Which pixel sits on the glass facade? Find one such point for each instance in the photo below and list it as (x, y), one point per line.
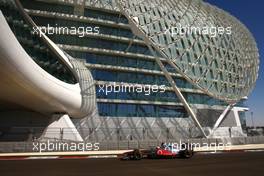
(48, 6)
(116, 60)
(139, 110)
(104, 29)
(243, 120)
(33, 45)
(99, 43)
(114, 27)
(102, 15)
(224, 63)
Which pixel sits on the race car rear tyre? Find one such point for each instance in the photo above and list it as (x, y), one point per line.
(137, 155)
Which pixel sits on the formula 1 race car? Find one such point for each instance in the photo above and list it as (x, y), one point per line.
(160, 152)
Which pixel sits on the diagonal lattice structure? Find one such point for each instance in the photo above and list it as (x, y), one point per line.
(224, 66)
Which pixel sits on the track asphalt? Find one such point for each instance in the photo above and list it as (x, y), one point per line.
(222, 164)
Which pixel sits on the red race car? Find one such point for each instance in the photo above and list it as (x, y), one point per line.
(163, 151)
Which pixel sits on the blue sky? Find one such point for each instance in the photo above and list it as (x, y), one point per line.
(251, 13)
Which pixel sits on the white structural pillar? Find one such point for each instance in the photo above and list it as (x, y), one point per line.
(223, 116)
(62, 128)
(218, 130)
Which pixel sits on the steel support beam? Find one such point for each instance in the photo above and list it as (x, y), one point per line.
(178, 92)
(222, 117)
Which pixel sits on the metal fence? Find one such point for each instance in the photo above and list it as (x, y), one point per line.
(96, 134)
(106, 134)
